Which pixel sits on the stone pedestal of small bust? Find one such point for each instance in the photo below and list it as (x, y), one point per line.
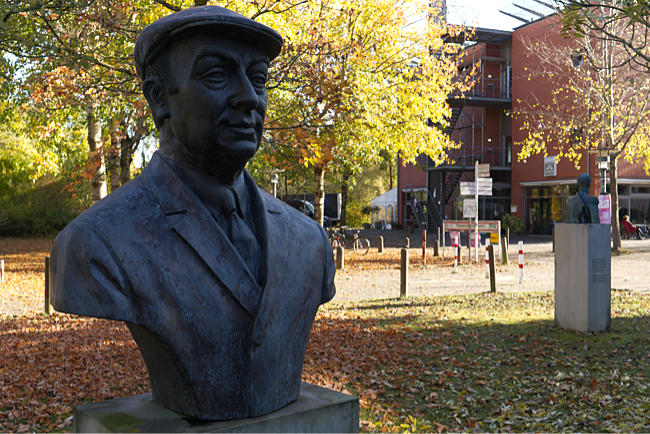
(583, 265)
(583, 277)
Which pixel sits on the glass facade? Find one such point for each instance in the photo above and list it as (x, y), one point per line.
(634, 201)
(546, 205)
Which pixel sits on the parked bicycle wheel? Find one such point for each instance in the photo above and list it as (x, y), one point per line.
(361, 246)
(334, 242)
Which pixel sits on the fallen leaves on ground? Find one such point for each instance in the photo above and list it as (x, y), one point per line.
(24, 285)
(481, 362)
(50, 364)
(390, 258)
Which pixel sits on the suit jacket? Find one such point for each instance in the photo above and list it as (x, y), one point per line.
(216, 344)
(582, 207)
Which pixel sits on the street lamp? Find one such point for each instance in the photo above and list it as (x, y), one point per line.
(603, 164)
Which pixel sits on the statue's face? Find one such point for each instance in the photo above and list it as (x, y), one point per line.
(217, 112)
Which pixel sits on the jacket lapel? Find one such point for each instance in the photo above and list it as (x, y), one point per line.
(275, 247)
(191, 220)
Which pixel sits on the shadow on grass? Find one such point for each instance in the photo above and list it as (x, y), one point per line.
(477, 363)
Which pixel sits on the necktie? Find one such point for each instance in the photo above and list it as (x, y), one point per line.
(239, 233)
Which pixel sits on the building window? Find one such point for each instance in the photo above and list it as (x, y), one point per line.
(577, 59)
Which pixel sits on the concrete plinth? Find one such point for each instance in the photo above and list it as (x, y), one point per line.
(583, 276)
(316, 410)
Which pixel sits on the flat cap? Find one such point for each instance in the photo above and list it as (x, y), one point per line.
(157, 35)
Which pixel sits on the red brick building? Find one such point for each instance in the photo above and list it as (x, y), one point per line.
(483, 123)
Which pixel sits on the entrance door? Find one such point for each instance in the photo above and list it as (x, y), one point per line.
(539, 216)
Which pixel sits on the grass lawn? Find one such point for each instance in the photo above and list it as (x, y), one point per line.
(483, 362)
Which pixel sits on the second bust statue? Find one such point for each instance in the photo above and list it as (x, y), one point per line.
(582, 208)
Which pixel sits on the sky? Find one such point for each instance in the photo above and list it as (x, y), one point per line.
(485, 13)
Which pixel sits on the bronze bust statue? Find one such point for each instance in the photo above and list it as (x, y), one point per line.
(583, 208)
(218, 281)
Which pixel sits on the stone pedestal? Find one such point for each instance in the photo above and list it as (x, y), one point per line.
(316, 410)
(583, 276)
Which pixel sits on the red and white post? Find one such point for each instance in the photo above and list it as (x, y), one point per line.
(455, 243)
(521, 262)
(487, 258)
(2, 270)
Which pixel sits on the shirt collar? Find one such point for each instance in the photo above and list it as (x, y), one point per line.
(207, 189)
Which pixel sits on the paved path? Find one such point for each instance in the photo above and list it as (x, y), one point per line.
(630, 271)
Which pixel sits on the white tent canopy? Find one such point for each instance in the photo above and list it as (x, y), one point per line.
(386, 207)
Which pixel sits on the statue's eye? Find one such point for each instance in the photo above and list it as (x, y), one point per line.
(258, 80)
(215, 77)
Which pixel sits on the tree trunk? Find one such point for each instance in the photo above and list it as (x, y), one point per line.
(114, 159)
(344, 195)
(319, 194)
(616, 231)
(96, 157)
(390, 174)
(126, 156)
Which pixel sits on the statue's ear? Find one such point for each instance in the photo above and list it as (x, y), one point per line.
(157, 98)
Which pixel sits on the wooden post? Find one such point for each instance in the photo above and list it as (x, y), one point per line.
(436, 248)
(46, 303)
(340, 260)
(504, 251)
(404, 272)
(407, 243)
(380, 244)
(508, 235)
(459, 252)
(424, 247)
(493, 283)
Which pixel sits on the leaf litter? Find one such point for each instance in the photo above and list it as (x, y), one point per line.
(481, 362)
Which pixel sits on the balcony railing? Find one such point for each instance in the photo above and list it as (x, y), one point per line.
(497, 88)
(466, 155)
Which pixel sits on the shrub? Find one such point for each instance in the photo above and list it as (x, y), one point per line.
(512, 222)
(42, 210)
(354, 215)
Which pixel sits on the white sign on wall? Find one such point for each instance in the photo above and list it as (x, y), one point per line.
(550, 166)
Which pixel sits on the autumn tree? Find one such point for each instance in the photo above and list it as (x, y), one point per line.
(599, 19)
(598, 101)
(355, 79)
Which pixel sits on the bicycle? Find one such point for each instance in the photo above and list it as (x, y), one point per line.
(345, 236)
